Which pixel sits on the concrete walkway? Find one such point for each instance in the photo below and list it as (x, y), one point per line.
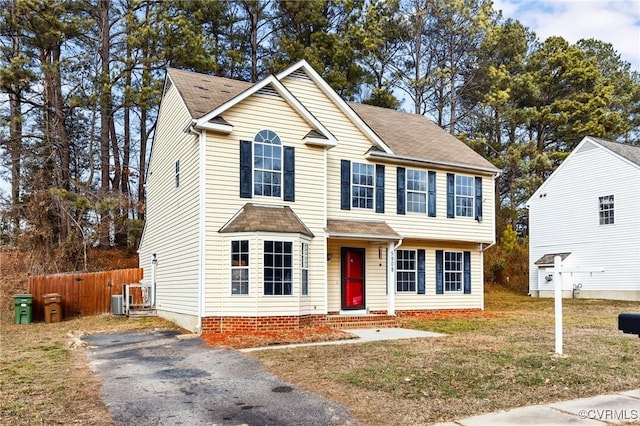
(619, 408)
(363, 335)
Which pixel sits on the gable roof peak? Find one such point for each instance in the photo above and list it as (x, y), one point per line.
(627, 151)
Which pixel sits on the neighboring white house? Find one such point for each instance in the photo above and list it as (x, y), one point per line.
(277, 204)
(588, 212)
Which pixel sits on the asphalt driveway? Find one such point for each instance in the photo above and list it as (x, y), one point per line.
(154, 378)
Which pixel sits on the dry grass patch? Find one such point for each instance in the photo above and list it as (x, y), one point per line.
(488, 362)
(254, 339)
(44, 374)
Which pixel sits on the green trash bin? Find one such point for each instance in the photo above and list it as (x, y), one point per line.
(22, 305)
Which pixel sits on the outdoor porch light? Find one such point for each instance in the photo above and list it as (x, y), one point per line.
(154, 260)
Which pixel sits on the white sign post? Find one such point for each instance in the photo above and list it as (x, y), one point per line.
(558, 270)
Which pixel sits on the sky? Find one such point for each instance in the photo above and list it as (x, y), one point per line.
(614, 21)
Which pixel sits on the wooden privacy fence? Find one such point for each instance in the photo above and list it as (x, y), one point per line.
(83, 294)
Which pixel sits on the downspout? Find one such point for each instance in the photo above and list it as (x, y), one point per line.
(391, 277)
(482, 247)
(326, 239)
(202, 138)
(481, 250)
(154, 264)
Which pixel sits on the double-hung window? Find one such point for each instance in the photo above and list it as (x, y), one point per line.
(406, 271)
(240, 267)
(416, 191)
(304, 268)
(267, 164)
(362, 185)
(453, 269)
(606, 209)
(464, 195)
(278, 274)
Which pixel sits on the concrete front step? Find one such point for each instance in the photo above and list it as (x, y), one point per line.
(361, 321)
(140, 313)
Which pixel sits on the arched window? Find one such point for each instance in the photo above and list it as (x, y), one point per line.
(267, 164)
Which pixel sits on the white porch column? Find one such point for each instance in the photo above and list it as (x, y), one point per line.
(391, 279)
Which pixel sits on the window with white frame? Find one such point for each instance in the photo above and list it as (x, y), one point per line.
(606, 209)
(304, 268)
(406, 270)
(278, 273)
(453, 271)
(362, 185)
(464, 195)
(267, 164)
(177, 173)
(240, 267)
(416, 191)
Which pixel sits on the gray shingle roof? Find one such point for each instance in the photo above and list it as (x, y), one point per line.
(413, 135)
(408, 135)
(202, 93)
(630, 152)
(361, 229)
(259, 218)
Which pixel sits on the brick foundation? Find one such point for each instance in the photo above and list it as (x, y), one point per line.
(375, 319)
(267, 324)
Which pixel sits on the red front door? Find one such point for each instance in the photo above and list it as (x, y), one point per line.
(352, 278)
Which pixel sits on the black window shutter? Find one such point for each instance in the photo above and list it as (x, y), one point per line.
(451, 201)
(246, 169)
(439, 272)
(401, 197)
(432, 194)
(467, 272)
(478, 198)
(379, 188)
(345, 185)
(289, 178)
(421, 272)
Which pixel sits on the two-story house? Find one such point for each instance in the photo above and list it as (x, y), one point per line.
(588, 213)
(278, 204)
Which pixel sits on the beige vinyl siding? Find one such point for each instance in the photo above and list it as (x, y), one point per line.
(223, 201)
(376, 277)
(375, 274)
(564, 218)
(454, 300)
(352, 146)
(171, 230)
(256, 303)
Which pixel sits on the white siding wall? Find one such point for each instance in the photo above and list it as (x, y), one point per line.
(565, 219)
(223, 201)
(171, 230)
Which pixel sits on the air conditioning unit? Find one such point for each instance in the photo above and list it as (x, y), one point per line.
(117, 305)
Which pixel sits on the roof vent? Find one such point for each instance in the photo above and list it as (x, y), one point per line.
(268, 90)
(167, 86)
(299, 73)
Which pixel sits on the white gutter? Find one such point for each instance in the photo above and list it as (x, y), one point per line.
(436, 164)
